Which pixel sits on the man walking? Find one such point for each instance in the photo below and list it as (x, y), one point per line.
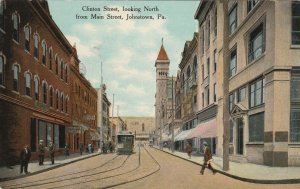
(207, 159)
(189, 149)
(24, 159)
(41, 152)
(51, 152)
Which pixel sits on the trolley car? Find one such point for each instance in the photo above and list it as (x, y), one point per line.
(125, 143)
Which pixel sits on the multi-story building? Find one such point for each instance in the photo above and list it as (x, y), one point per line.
(141, 127)
(264, 41)
(84, 110)
(103, 115)
(37, 65)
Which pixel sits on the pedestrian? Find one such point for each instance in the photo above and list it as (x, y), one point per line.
(51, 149)
(189, 149)
(90, 147)
(41, 152)
(81, 148)
(24, 159)
(67, 150)
(207, 159)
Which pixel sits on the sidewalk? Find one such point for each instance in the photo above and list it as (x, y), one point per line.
(248, 172)
(9, 173)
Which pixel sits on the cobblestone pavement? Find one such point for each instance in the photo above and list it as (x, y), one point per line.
(146, 168)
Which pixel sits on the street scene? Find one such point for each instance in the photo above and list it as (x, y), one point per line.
(150, 94)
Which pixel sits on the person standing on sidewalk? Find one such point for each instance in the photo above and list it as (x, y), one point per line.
(81, 148)
(51, 152)
(41, 152)
(207, 159)
(24, 159)
(189, 149)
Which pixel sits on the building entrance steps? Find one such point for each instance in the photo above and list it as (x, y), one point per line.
(248, 172)
(13, 172)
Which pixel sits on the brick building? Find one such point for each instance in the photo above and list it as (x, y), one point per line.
(35, 80)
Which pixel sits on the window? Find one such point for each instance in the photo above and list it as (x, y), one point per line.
(231, 131)
(251, 4)
(27, 38)
(16, 26)
(207, 95)
(195, 103)
(42, 128)
(233, 20)
(62, 102)
(208, 65)
(296, 23)
(67, 102)
(216, 22)
(36, 39)
(242, 94)
(202, 42)
(50, 58)
(57, 100)
(66, 74)
(16, 71)
(56, 135)
(56, 64)
(49, 133)
(232, 65)
(231, 101)
(27, 84)
(256, 43)
(2, 64)
(256, 127)
(215, 92)
(295, 125)
(33, 135)
(202, 70)
(256, 93)
(208, 32)
(202, 99)
(51, 96)
(44, 92)
(44, 49)
(36, 88)
(215, 60)
(143, 127)
(295, 88)
(195, 68)
(2, 13)
(61, 70)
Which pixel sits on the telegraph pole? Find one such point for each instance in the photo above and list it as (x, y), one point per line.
(173, 115)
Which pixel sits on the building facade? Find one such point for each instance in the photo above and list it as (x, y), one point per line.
(37, 66)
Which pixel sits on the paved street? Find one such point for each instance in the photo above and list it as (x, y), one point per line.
(146, 168)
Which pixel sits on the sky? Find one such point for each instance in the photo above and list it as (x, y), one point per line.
(127, 48)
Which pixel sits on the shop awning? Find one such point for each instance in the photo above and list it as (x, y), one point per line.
(206, 129)
(183, 135)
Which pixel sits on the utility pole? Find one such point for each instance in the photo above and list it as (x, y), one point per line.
(112, 112)
(173, 115)
(226, 115)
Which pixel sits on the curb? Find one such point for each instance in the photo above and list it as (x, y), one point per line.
(257, 181)
(47, 169)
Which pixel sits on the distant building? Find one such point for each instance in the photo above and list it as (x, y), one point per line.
(141, 127)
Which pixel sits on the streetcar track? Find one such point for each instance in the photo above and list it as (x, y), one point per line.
(57, 181)
(112, 176)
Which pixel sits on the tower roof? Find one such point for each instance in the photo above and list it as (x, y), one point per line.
(162, 55)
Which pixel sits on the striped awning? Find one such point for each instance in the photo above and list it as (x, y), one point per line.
(206, 129)
(183, 135)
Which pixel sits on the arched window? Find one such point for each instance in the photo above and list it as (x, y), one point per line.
(44, 49)
(61, 70)
(188, 72)
(36, 39)
(16, 26)
(67, 102)
(27, 83)
(195, 65)
(51, 96)
(27, 32)
(182, 81)
(16, 71)
(2, 11)
(45, 92)
(50, 58)
(56, 64)
(36, 88)
(57, 99)
(66, 73)
(62, 102)
(2, 70)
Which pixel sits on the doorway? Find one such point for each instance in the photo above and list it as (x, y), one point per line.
(240, 136)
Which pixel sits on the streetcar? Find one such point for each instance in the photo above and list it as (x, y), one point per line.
(125, 143)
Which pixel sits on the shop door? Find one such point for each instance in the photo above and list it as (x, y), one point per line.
(240, 136)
